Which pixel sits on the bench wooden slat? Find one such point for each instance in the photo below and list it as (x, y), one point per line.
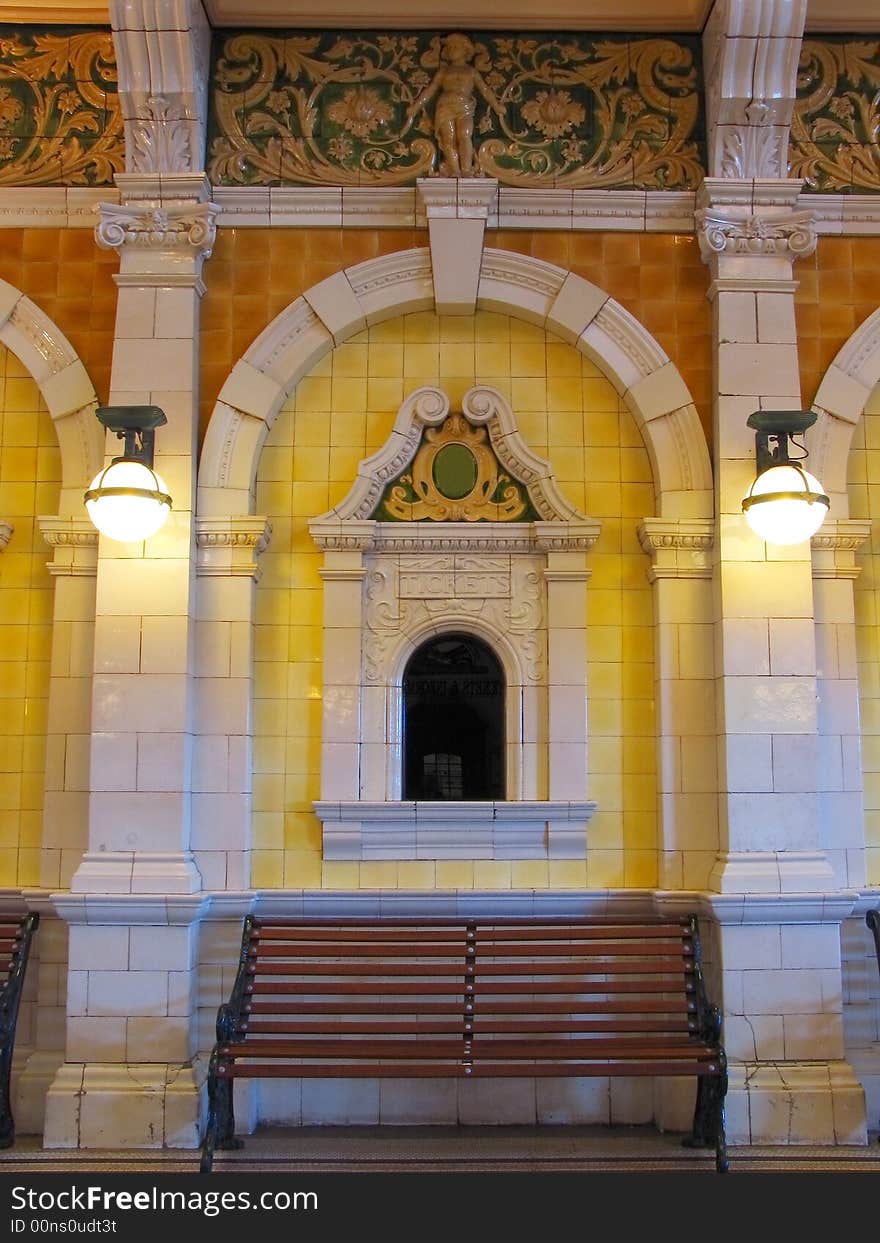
(291, 1027)
(602, 966)
(384, 951)
(386, 1005)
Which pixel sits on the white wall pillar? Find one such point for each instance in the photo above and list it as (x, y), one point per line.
(687, 778)
(777, 957)
(132, 977)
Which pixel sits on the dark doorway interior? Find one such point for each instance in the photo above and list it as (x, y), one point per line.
(453, 723)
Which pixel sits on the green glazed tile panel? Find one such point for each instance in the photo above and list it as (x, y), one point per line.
(371, 109)
(60, 121)
(835, 133)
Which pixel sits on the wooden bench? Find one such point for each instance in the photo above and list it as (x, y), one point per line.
(468, 999)
(16, 934)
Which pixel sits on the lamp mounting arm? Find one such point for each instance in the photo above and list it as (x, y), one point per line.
(773, 430)
(136, 427)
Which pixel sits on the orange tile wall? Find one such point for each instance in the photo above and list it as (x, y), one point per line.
(839, 287)
(71, 280)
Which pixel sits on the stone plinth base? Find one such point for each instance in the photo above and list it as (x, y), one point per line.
(101, 1105)
(795, 1103)
(30, 1085)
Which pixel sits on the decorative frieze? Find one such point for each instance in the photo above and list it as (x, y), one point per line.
(356, 108)
(230, 546)
(833, 142)
(60, 119)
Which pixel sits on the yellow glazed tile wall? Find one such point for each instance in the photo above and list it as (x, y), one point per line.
(30, 474)
(340, 413)
(864, 496)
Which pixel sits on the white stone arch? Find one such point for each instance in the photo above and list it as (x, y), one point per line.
(399, 284)
(65, 387)
(840, 402)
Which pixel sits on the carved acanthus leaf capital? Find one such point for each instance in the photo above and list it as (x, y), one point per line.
(187, 229)
(159, 139)
(729, 231)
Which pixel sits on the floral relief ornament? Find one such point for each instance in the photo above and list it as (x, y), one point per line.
(60, 120)
(836, 121)
(360, 108)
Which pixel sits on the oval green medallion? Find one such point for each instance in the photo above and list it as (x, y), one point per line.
(455, 471)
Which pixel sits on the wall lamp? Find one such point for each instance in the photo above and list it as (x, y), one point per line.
(128, 501)
(785, 504)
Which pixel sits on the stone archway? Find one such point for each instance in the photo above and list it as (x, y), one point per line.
(526, 288)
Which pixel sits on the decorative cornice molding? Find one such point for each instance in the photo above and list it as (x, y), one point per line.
(6, 530)
(337, 535)
(229, 547)
(456, 198)
(678, 547)
(579, 211)
(835, 545)
(75, 545)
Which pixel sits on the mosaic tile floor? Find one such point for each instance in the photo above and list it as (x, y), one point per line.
(453, 1150)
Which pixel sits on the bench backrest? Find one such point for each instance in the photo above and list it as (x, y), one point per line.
(486, 980)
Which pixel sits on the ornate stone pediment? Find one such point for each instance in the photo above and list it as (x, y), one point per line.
(443, 466)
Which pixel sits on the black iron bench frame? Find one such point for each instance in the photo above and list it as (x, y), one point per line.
(468, 998)
(16, 935)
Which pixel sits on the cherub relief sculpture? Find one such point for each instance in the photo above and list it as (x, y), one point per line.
(456, 80)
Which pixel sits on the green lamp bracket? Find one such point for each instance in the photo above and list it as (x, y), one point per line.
(136, 427)
(773, 429)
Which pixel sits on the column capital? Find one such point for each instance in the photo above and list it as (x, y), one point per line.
(750, 232)
(74, 544)
(678, 547)
(835, 545)
(229, 547)
(158, 243)
(6, 529)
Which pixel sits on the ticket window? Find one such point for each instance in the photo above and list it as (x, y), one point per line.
(453, 694)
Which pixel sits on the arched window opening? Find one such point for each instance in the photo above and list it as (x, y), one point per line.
(453, 721)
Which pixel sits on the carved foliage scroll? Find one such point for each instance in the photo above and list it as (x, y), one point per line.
(60, 120)
(835, 132)
(365, 108)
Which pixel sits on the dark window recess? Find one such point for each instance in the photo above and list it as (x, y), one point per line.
(453, 721)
